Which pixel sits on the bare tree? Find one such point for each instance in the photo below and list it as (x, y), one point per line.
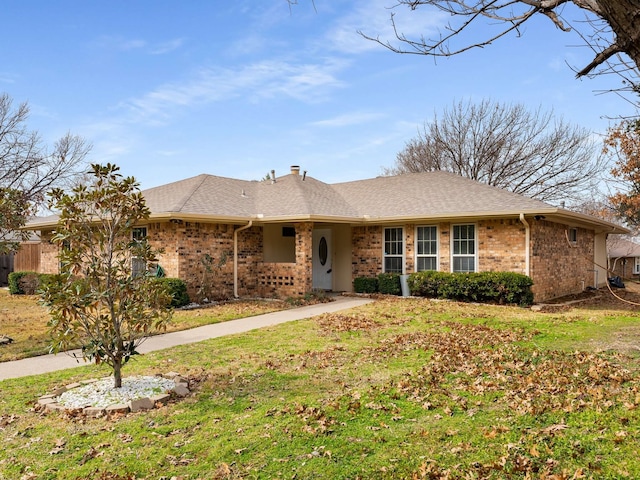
(611, 28)
(507, 146)
(29, 168)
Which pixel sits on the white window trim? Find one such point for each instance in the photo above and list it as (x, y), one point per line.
(134, 270)
(404, 250)
(415, 247)
(475, 240)
(636, 265)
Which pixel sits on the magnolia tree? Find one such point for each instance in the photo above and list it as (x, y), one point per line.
(97, 300)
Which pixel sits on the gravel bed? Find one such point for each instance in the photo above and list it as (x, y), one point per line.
(102, 392)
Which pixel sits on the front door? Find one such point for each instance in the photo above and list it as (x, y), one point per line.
(322, 278)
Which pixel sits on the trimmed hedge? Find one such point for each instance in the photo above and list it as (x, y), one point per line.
(389, 284)
(26, 283)
(365, 285)
(177, 289)
(484, 287)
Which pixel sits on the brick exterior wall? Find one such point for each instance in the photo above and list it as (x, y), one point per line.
(366, 251)
(556, 267)
(623, 268)
(48, 254)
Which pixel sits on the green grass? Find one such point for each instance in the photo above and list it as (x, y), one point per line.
(25, 321)
(402, 388)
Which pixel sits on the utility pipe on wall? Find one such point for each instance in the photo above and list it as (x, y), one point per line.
(235, 256)
(527, 246)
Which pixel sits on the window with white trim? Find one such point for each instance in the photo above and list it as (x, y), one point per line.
(138, 265)
(426, 248)
(393, 258)
(636, 265)
(463, 248)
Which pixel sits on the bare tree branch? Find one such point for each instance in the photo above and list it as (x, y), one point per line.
(618, 35)
(506, 146)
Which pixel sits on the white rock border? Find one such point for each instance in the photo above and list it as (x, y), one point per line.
(180, 389)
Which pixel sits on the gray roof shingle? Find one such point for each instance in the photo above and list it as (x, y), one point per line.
(428, 194)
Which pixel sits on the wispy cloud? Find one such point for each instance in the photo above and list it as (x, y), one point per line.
(268, 79)
(373, 18)
(348, 119)
(137, 44)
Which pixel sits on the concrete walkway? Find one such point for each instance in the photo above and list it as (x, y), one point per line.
(61, 361)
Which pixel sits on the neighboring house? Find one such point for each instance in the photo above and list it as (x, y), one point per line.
(624, 257)
(27, 258)
(289, 235)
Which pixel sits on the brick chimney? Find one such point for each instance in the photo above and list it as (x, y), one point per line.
(295, 169)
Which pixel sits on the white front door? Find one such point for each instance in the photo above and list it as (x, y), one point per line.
(322, 278)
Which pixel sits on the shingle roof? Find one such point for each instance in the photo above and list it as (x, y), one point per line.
(428, 194)
(291, 198)
(620, 248)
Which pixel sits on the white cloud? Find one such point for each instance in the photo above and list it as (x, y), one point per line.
(268, 79)
(356, 118)
(373, 18)
(130, 44)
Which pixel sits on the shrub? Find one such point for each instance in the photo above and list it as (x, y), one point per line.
(489, 287)
(177, 289)
(23, 283)
(365, 285)
(389, 283)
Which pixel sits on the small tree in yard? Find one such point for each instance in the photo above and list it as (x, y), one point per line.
(96, 300)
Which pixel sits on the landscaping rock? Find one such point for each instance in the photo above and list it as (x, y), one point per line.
(116, 408)
(181, 390)
(162, 398)
(141, 404)
(94, 412)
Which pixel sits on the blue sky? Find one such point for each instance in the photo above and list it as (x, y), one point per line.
(168, 90)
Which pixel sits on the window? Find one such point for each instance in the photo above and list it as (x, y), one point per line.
(636, 265)
(393, 250)
(463, 248)
(573, 235)
(426, 248)
(138, 265)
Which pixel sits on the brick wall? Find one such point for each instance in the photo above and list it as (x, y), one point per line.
(559, 267)
(48, 254)
(501, 246)
(366, 251)
(556, 268)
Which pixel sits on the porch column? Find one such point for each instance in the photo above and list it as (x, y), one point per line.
(304, 258)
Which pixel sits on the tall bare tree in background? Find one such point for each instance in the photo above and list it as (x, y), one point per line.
(507, 146)
(610, 28)
(29, 169)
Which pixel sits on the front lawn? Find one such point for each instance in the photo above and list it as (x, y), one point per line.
(25, 321)
(401, 388)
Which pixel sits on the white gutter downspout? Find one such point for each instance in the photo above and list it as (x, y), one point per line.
(235, 257)
(527, 245)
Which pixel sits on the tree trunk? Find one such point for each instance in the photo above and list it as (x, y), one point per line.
(624, 18)
(117, 373)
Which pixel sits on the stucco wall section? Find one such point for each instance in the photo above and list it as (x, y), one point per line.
(559, 267)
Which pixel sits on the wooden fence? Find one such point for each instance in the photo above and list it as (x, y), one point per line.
(27, 259)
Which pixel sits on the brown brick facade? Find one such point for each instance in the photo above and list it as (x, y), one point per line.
(556, 266)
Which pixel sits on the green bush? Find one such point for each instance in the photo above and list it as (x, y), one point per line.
(485, 287)
(177, 289)
(23, 283)
(389, 283)
(365, 285)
